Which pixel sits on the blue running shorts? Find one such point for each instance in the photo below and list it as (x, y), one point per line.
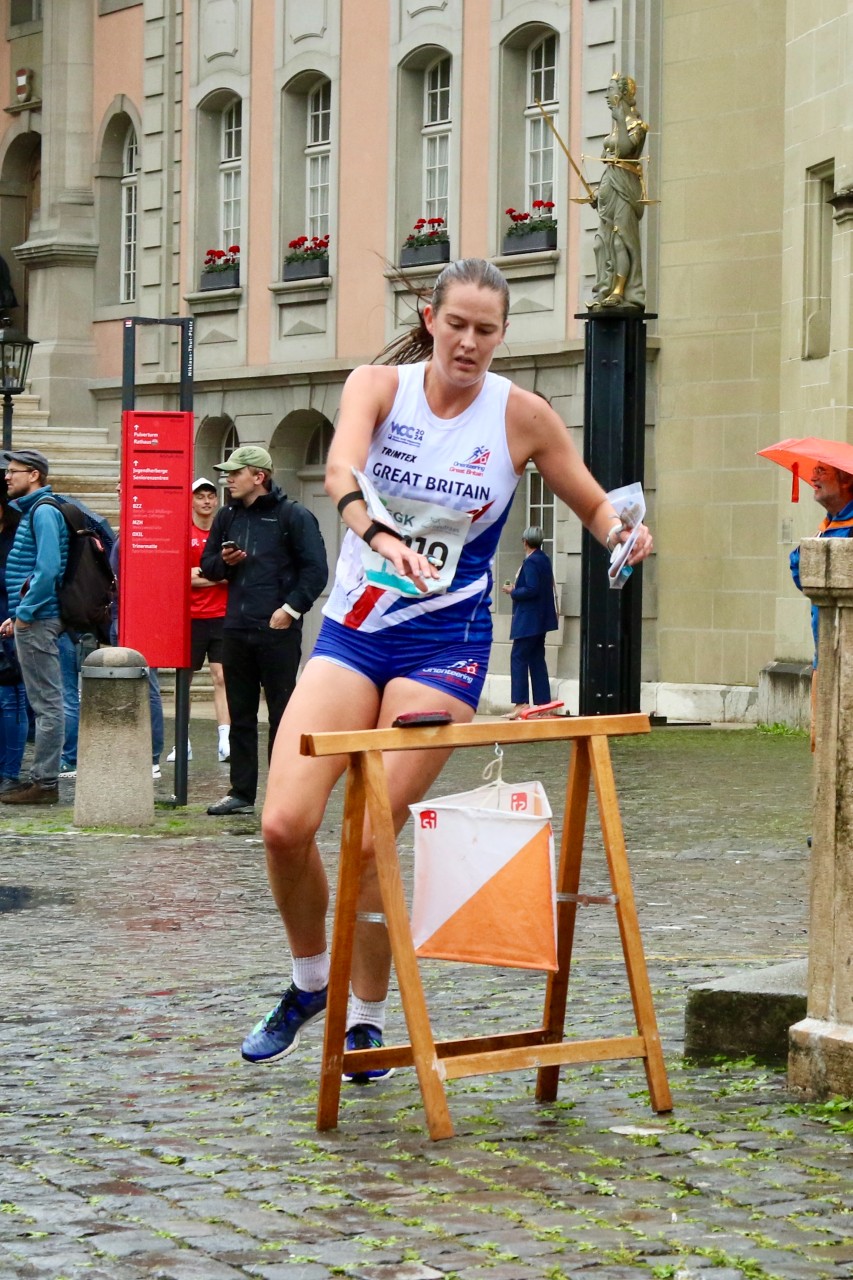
(458, 668)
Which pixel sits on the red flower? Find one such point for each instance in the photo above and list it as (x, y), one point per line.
(303, 248)
(523, 224)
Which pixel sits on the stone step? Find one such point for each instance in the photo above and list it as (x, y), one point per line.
(85, 468)
(71, 454)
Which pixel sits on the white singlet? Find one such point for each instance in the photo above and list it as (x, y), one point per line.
(460, 463)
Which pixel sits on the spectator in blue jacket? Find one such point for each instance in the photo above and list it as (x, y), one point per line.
(35, 565)
(534, 612)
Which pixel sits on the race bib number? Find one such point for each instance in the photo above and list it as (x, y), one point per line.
(433, 531)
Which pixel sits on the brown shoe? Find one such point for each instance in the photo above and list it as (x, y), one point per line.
(32, 793)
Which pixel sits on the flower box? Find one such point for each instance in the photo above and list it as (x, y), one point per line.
(531, 241)
(425, 255)
(227, 278)
(306, 269)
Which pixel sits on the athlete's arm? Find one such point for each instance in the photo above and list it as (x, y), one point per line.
(535, 433)
(366, 401)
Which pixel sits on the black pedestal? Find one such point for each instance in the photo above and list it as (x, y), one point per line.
(614, 439)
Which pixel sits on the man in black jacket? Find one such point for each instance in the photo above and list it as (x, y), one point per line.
(271, 552)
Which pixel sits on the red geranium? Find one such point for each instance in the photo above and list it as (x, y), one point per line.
(427, 231)
(541, 219)
(301, 249)
(222, 259)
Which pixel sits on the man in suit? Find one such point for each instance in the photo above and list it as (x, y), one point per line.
(534, 612)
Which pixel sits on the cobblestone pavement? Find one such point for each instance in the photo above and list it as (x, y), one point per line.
(135, 1143)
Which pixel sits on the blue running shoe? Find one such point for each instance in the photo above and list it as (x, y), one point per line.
(363, 1036)
(277, 1034)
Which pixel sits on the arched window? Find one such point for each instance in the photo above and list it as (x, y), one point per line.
(308, 162)
(319, 445)
(542, 87)
(230, 442)
(436, 139)
(540, 507)
(426, 161)
(528, 162)
(230, 174)
(317, 159)
(129, 213)
(116, 172)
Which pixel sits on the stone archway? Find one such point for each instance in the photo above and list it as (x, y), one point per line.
(298, 449)
(215, 440)
(20, 191)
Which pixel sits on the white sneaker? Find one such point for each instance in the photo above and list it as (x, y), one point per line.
(156, 771)
(170, 758)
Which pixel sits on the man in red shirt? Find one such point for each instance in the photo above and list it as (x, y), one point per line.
(208, 601)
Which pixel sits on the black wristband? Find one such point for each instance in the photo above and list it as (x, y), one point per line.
(372, 530)
(348, 498)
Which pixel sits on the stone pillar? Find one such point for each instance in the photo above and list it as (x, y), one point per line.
(114, 783)
(820, 1060)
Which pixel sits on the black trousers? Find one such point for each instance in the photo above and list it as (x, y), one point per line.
(251, 661)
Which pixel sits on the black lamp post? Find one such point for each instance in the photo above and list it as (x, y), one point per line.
(15, 351)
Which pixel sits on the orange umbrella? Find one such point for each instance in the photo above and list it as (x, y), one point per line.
(801, 457)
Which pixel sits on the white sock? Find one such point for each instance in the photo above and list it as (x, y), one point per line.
(311, 973)
(370, 1011)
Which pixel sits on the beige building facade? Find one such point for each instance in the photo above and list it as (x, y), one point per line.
(146, 134)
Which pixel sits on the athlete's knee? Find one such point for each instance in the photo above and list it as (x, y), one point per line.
(286, 829)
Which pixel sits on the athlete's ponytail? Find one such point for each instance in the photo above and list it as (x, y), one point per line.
(416, 344)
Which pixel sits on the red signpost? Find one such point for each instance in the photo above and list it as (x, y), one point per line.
(154, 553)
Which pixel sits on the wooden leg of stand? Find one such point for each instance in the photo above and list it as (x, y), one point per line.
(568, 881)
(349, 878)
(430, 1071)
(629, 927)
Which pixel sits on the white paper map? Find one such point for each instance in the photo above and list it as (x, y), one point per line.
(629, 502)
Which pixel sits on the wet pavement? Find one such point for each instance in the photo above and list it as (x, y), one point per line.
(136, 1143)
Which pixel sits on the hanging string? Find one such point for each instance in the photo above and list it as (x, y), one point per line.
(495, 767)
(795, 482)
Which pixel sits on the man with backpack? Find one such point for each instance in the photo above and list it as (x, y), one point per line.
(35, 567)
(271, 552)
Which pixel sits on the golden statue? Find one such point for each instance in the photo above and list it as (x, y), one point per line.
(620, 200)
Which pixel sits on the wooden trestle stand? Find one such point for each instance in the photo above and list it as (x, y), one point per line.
(542, 1047)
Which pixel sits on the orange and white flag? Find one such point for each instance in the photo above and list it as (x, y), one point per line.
(484, 889)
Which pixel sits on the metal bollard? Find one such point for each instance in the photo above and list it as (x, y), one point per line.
(114, 783)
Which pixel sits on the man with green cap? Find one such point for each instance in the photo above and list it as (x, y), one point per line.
(271, 552)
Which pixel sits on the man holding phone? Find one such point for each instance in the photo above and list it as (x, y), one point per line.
(271, 553)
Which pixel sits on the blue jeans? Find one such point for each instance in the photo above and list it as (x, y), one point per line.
(69, 662)
(155, 702)
(38, 654)
(13, 728)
